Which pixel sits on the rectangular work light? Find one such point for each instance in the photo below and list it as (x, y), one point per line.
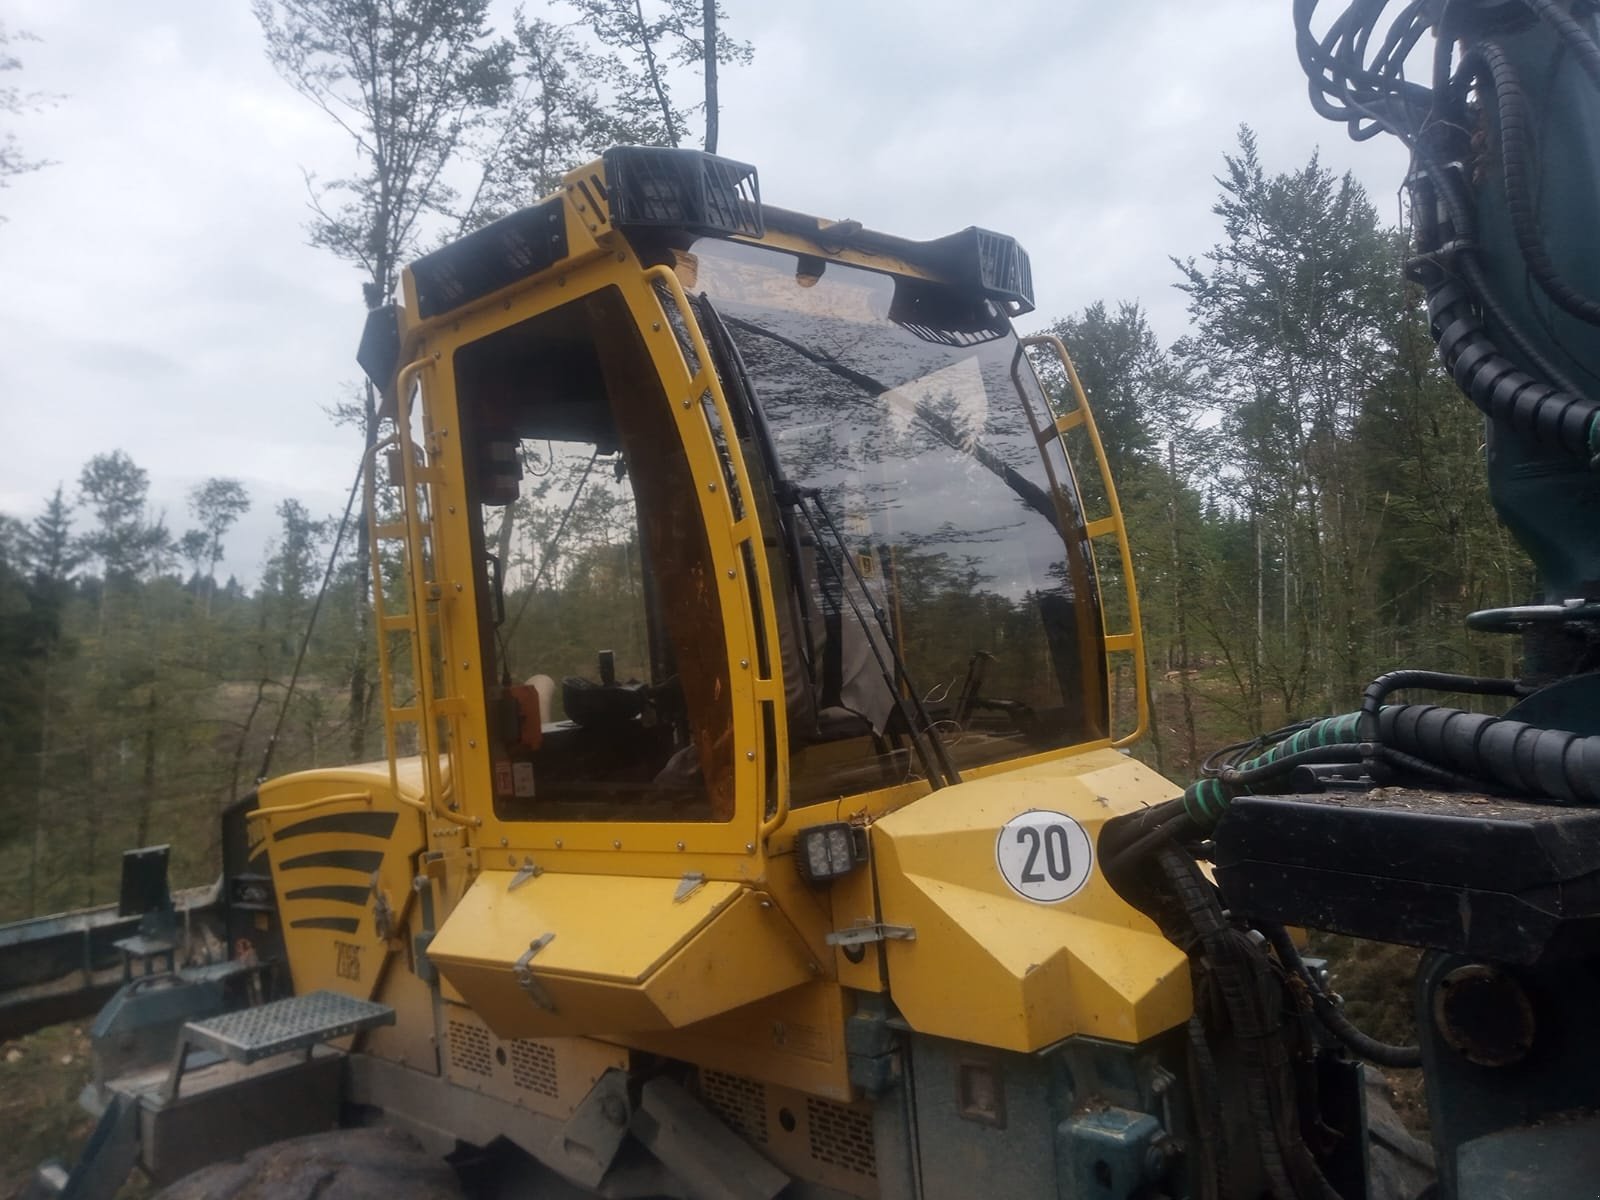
(825, 852)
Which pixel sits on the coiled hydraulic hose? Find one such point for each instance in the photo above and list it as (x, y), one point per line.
(1502, 391)
(1477, 750)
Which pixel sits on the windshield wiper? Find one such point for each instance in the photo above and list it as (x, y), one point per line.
(791, 500)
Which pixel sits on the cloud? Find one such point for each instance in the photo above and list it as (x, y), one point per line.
(160, 296)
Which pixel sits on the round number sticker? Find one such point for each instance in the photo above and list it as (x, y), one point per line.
(1045, 856)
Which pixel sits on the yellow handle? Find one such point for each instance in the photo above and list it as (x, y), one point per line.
(285, 810)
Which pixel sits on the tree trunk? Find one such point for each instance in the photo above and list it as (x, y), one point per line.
(668, 123)
(708, 10)
(356, 708)
(1185, 687)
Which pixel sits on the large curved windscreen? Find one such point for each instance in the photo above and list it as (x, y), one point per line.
(926, 516)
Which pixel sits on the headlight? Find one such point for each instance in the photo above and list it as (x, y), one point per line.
(825, 852)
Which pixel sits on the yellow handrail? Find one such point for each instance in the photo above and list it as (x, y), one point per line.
(283, 810)
(1135, 638)
(706, 380)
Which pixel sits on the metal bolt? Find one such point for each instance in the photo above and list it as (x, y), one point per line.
(730, 572)
(744, 663)
(687, 402)
(558, 843)
(458, 587)
(505, 841)
(680, 845)
(450, 508)
(749, 847)
(711, 487)
(621, 257)
(656, 325)
(466, 666)
(750, 754)
(616, 843)
(472, 743)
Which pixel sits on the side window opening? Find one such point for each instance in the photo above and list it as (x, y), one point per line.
(606, 663)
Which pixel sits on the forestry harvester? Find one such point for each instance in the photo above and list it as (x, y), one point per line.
(755, 819)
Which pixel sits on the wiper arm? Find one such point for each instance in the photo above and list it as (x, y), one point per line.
(1030, 493)
(790, 501)
(935, 761)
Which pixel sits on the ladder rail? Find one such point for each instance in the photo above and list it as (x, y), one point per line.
(417, 531)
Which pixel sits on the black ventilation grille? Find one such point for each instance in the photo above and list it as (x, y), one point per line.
(682, 189)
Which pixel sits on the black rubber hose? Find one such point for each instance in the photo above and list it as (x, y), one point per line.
(1291, 1170)
(1526, 759)
(1503, 391)
(1385, 685)
(1363, 1045)
(1515, 152)
(1572, 33)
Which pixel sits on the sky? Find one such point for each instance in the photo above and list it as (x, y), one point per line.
(157, 293)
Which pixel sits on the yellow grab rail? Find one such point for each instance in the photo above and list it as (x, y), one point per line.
(770, 687)
(284, 810)
(414, 622)
(1132, 641)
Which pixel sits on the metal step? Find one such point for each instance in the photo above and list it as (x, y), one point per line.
(297, 1023)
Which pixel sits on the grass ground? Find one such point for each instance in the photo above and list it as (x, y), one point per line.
(40, 1078)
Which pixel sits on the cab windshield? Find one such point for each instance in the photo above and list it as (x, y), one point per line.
(924, 533)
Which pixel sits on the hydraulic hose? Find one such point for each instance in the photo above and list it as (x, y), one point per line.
(1332, 1017)
(1500, 389)
(1384, 686)
(1236, 966)
(1526, 759)
(1466, 749)
(1516, 140)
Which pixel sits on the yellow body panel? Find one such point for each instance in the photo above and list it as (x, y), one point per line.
(795, 1038)
(990, 966)
(622, 955)
(343, 849)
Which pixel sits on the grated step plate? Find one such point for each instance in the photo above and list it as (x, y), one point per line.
(252, 1034)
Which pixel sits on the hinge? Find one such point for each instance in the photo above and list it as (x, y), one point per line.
(525, 977)
(529, 870)
(863, 932)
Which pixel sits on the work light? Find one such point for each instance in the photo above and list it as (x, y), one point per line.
(824, 852)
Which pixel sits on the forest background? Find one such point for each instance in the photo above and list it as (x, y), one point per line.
(1303, 486)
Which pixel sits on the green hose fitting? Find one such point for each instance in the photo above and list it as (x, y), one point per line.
(1206, 800)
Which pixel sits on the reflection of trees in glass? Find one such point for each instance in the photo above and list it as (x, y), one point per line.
(925, 454)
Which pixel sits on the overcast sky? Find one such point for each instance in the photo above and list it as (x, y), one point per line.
(158, 295)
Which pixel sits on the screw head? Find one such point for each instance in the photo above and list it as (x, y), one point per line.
(616, 843)
(680, 845)
(750, 755)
